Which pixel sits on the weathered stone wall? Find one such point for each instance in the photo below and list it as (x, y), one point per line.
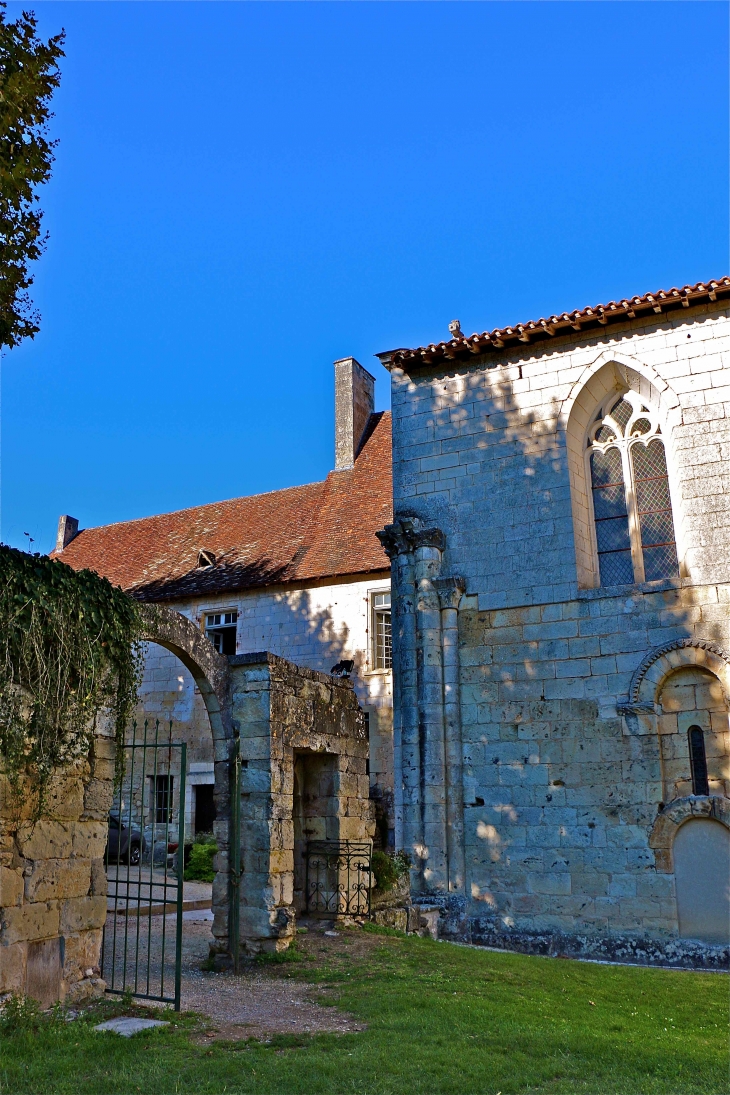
(563, 771)
(53, 884)
(282, 711)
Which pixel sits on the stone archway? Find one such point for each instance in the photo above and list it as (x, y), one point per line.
(275, 710)
(650, 674)
(211, 673)
(209, 669)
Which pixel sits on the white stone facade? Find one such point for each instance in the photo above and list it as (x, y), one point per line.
(531, 781)
(315, 627)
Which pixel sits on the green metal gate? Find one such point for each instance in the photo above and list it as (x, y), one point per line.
(142, 944)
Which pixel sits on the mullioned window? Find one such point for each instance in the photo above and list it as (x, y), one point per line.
(632, 508)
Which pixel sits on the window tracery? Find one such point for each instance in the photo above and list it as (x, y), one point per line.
(632, 507)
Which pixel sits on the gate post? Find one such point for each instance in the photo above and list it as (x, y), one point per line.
(234, 856)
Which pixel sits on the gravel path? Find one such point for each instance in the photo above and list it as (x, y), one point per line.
(252, 1004)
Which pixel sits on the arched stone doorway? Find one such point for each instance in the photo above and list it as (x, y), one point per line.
(702, 874)
(210, 670)
(272, 712)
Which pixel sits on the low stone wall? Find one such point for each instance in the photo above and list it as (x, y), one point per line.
(640, 948)
(53, 884)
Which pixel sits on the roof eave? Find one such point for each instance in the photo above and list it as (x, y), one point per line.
(544, 330)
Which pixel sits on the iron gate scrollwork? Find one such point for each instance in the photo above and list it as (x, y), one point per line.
(338, 879)
(142, 941)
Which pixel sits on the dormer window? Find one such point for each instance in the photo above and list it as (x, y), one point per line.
(221, 627)
(206, 559)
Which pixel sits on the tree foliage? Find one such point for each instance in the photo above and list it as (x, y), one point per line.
(69, 648)
(29, 75)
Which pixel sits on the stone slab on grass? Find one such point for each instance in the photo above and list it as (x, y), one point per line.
(127, 1027)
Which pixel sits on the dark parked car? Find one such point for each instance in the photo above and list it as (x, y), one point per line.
(125, 841)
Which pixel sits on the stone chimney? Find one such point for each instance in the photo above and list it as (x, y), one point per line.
(354, 403)
(67, 529)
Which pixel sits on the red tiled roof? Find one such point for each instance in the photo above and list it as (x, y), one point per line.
(302, 533)
(541, 329)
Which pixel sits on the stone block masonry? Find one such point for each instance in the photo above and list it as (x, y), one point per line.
(538, 758)
(304, 751)
(53, 884)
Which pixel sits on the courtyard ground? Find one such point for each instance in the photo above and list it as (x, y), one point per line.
(433, 1017)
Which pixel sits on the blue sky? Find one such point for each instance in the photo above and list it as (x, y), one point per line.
(245, 192)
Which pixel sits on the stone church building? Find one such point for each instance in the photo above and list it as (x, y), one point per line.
(553, 750)
(561, 590)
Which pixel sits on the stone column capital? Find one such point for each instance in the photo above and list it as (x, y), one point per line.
(450, 590)
(407, 534)
(429, 538)
(394, 540)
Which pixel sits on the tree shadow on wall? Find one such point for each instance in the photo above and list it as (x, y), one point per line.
(548, 767)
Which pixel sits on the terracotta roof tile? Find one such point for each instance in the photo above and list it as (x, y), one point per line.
(320, 530)
(532, 330)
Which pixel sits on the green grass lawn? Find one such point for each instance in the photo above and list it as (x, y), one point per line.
(440, 1019)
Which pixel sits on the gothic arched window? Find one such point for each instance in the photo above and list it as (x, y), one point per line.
(631, 503)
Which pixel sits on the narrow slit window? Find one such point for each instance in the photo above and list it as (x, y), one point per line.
(698, 761)
(163, 786)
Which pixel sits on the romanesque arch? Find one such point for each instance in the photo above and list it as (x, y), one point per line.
(662, 660)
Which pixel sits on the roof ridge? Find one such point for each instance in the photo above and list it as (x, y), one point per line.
(204, 505)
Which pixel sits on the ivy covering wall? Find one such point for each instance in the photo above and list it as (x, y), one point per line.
(69, 649)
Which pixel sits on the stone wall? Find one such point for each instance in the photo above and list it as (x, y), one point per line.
(285, 712)
(529, 776)
(53, 885)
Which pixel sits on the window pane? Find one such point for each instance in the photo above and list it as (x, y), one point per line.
(163, 799)
(655, 511)
(613, 534)
(383, 641)
(660, 562)
(622, 412)
(616, 568)
(656, 528)
(652, 494)
(609, 501)
(649, 460)
(606, 468)
(606, 433)
(612, 522)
